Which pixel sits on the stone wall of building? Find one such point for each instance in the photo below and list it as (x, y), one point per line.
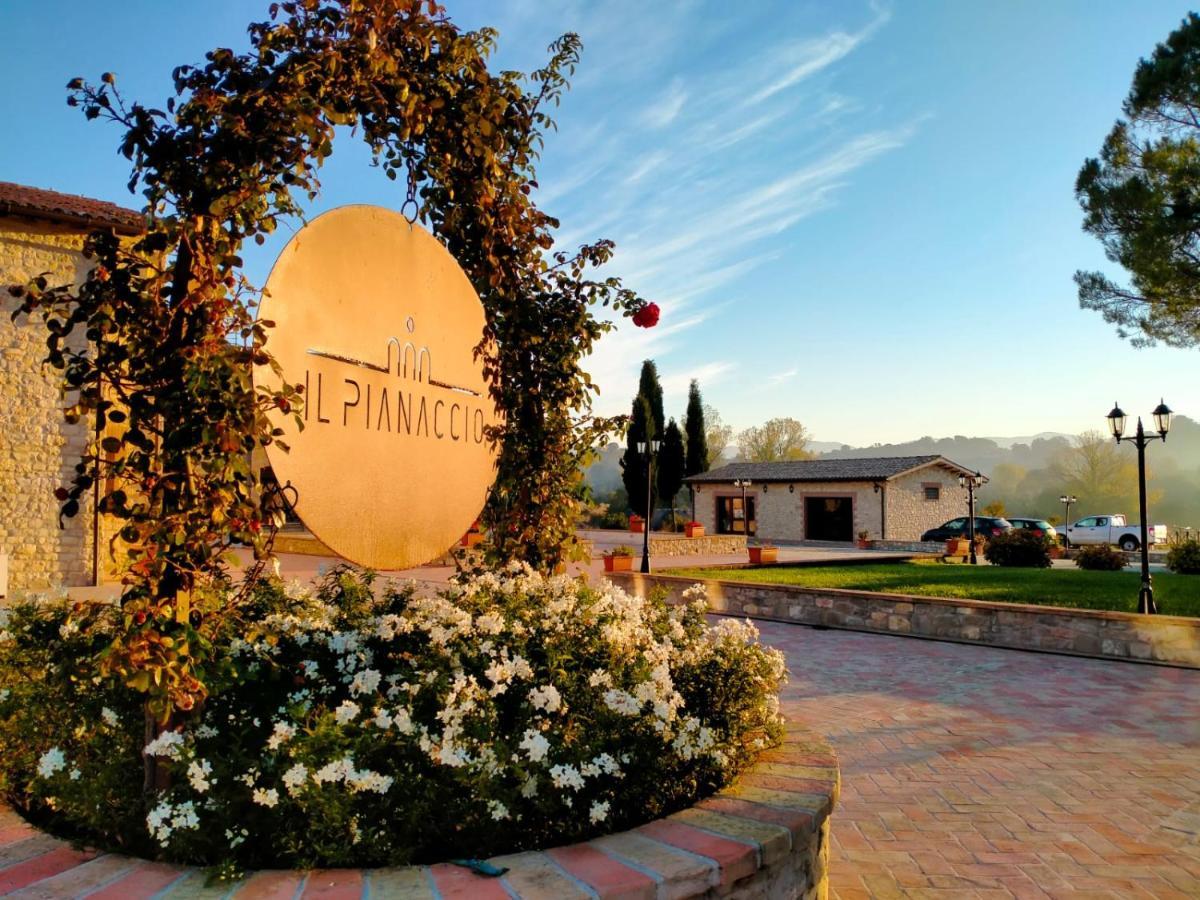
(779, 511)
(38, 450)
(910, 514)
(779, 507)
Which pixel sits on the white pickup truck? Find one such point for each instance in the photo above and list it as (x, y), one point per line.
(1111, 530)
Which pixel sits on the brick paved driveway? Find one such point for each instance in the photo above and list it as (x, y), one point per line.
(971, 772)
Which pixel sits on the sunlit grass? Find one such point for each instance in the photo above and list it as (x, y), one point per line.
(1177, 595)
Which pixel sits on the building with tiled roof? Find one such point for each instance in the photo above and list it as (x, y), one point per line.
(890, 498)
(42, 233)
(22, 201)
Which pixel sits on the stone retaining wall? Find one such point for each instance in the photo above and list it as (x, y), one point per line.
(936, 547)
(709, 545)
(1173, 640)
(765, 837)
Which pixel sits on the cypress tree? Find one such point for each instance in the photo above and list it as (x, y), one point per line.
(649, 388)
(633, 464)
(670, 465)
(693, 424)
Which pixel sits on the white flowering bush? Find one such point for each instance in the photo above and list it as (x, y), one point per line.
(507, 712)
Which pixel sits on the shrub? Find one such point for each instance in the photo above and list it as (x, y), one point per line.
(1100, 557)
(504, 713)
(1184, 556)
(1019, 548)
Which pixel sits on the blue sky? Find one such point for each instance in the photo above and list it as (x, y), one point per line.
(859, 215)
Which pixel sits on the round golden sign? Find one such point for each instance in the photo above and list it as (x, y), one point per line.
(379, 323)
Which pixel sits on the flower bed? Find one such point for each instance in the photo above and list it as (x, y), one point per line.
(508, 712)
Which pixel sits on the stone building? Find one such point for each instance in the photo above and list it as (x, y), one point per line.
(42, 232)
(890, 498)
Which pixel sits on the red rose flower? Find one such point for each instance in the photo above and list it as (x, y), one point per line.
(647, 316)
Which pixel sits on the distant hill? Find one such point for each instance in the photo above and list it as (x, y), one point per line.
(604, 475)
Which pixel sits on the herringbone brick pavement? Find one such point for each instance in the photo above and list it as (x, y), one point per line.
(973, 772)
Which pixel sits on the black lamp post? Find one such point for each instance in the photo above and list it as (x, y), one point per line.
(744, 483)
(1066, 500)
(1141, 440)
(971, 482)
(649, 454)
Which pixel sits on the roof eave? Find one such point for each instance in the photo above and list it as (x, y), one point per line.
(92, 223)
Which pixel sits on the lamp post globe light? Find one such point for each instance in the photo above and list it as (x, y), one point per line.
(1162, 423)
(648, 450)
(971, 482)
(744, 483)
(1067, 500)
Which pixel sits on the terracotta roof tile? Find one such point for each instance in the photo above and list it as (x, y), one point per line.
(20, 200)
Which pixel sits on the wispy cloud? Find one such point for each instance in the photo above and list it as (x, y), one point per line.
(677, 382)
(666, 109)
(780, 377)
(647, 165)
(804, 58)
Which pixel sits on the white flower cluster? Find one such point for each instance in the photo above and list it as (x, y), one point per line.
(166, 745)
(167, 818)
(530, 692)
(53, 760)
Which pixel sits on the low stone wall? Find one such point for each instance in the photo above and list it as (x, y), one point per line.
(935, 547)
(709, 545)
(1172, 640)
(765, 837)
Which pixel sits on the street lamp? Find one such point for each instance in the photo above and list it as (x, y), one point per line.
(744, 483)
(1066, 500)
(653, 448)
(1141, 440)
(971, 482)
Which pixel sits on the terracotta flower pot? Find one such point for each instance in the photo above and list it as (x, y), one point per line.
(617, 563)
(637, 524)
(862, 545)
(958, 547)
(693, 530)
(760, 555)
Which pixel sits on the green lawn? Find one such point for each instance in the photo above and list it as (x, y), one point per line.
(1177, 595)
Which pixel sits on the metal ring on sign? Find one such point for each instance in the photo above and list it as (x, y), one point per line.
(415, 213)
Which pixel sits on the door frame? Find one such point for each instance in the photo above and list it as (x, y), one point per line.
(826, 495)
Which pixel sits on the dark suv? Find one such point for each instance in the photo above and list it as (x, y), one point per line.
(988, 526)
(1039, 527)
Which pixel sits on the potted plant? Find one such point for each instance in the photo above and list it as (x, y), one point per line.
(864, 540)
(636, 523)
(764, 553)
(619, 559)
(958, 546)
(693, 529)
(473, 537)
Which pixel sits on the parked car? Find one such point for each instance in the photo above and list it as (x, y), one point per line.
(1040, 527)
(988, 526)
(1112, 529)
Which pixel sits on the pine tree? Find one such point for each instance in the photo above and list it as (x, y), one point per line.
(670, 464)
(693, 424)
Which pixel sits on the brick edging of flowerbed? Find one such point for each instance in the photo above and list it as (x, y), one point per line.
(765, 836)
(1099, 634)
